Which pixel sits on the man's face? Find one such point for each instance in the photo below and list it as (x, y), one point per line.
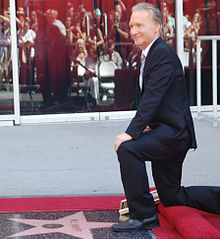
(142, 28)
(50, 16)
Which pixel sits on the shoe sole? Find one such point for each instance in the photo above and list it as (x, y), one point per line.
(141, 228)
(128, 230)
(149, 227)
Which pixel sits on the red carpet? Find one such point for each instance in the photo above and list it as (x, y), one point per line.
(178, 222)
(60, 204)
(191, 223)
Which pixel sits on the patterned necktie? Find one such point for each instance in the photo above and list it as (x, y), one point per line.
(141, 71)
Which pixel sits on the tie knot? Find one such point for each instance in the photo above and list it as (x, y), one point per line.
(142, 58)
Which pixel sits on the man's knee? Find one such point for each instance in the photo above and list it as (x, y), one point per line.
(168, 198)
(167, 202)
(123, 151)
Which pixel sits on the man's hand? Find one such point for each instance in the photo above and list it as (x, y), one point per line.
(148, 128)
(120, 139)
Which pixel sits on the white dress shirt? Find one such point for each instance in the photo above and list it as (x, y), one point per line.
(143, 57)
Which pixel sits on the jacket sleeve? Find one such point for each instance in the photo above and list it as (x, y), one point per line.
(158, 77)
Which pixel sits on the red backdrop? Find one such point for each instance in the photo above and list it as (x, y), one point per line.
(209, 10)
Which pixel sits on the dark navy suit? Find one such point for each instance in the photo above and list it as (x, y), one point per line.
(163, 105)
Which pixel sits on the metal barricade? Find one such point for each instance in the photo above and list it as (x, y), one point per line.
(214, 115)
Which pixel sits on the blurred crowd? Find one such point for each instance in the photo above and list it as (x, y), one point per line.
(191, 29)
(51, 48)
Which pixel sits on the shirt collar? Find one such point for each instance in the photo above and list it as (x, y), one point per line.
(147, 49)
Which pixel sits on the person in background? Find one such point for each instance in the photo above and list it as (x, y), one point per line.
(27, 54)
(169, 25)
(95, 37)
(34, 21)
(69, 31)
(121, 8)
(111, 55)
(91, 79)
(5, 49)
(56, 58)
(79, 33)
(121, 35)
(79, 54)
(20, 18)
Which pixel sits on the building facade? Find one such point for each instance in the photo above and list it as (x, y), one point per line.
(75, 60)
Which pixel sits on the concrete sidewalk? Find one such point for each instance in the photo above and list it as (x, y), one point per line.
(72, 159)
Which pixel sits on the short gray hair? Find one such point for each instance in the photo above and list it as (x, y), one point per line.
(153, 10)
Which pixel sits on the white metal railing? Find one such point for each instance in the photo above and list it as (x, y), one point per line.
(14, 53)
(214, 40)
(179, 29)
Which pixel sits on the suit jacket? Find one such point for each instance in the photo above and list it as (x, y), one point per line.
(163, 101)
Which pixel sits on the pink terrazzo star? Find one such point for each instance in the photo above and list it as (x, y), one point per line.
(74, 225)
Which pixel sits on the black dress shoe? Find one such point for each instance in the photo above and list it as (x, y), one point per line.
(150, 223)
(128, 225)
(136, 225)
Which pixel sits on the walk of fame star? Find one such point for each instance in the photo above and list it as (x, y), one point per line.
(73, 225)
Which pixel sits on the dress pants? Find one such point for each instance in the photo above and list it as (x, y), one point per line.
(166, 162)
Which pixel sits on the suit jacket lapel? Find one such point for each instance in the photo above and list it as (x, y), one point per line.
(151, 50)
(147, 62)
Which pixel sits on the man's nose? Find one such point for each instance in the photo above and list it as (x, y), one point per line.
(133, 31)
